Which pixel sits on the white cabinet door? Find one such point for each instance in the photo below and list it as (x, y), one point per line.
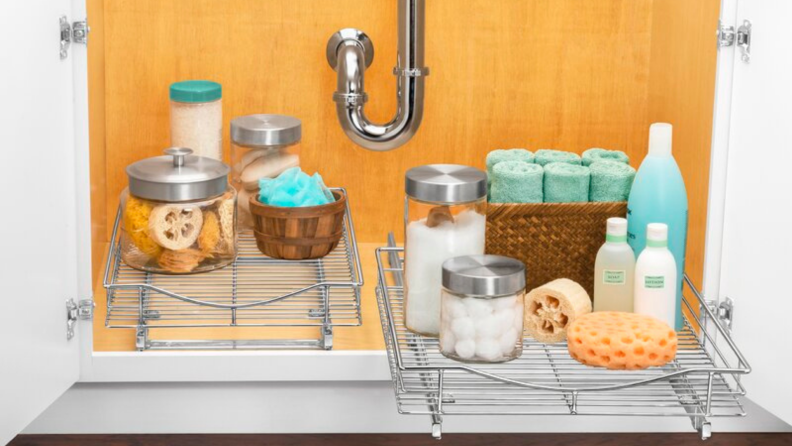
(42, 165)
(757, 226)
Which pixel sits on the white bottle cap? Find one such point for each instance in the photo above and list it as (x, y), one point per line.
(660, 134)
(657, 235)
(617, 226)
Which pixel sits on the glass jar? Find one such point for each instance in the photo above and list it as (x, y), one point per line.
(262, 146)
(178, 214)
(482, 309)
(445, 217)
(196, 117)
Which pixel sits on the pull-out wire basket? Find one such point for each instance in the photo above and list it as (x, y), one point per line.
(702, 382)
(254, 291)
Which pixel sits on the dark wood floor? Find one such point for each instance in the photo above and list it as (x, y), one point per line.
(406, 440)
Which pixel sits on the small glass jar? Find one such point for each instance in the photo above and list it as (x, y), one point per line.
(482, 309)
(262, 146)
(196, 117)
(178, 214)
(444, 217)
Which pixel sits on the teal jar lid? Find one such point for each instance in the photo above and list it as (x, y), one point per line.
(195, 91)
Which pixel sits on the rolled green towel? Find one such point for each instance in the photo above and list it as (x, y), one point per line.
(611, 181)
(547, 156)
(497, 156)
(516, 182)
(566, 183)
(593, 155)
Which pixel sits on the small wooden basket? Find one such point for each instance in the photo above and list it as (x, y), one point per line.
(554, 240)
(298, 233)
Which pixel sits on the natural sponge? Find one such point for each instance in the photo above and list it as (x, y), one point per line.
(136, 222)
(550, 308)
(619, 341)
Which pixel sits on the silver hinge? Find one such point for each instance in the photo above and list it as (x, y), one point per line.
(727, 36)
(724, 311)
(83, 310)
(76, 32)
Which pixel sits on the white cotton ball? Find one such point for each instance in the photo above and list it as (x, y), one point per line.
(503, 303)
(505, 319)
(508, 341)
(488, 350)
(465, 349)
(487, 328)
(463, 328)
(478, 308)
(447, 341)
(454, 306)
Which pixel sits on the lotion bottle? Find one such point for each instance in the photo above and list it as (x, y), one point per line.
(614, 270)
(656, 276)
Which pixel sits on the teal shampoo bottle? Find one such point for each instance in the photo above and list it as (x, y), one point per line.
(658, 195)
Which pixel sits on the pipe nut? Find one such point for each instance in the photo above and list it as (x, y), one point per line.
(350, 99)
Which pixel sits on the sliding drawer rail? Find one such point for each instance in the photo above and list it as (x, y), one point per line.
(701, 383)
(302, 299)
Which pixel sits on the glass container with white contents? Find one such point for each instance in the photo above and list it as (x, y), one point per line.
(262, 146)
(445, 217)
(482, 309)
(196, 115)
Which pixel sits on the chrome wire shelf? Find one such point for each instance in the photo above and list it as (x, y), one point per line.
(702, 382)
(254, 291)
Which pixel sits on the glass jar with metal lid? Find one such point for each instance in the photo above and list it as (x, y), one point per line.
(196, 114)
(179, 214)
(444, 217)
(262, 146)
(482, 308)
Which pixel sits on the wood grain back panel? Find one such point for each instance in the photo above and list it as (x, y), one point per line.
(538, 74)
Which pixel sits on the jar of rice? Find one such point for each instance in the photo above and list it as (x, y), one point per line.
(197, 117)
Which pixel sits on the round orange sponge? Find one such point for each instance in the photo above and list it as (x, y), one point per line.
(621, 341)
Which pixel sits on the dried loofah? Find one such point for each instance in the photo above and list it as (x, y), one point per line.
(175, 227)
(226, 212)
(550, 308)
(182, 261)
(136, 221)
(210, 233)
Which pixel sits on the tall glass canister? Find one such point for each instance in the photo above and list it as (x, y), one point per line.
(196, 115)
(444, 217)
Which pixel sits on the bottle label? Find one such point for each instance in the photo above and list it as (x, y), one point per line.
(654, 282)
(613, 277)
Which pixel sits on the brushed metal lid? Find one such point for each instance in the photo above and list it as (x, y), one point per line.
(484, 275)
(266, 130)
(445, 183)
(177, 176)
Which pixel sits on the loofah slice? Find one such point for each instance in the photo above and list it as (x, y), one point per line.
(619, 341)
(226, 212)
(550, 308)
(175, 227)
(183, 261)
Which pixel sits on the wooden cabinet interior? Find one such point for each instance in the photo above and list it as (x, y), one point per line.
(538, 74)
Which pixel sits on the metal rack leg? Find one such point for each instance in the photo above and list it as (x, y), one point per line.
(141, 338)
(437, 427)
(326, 340)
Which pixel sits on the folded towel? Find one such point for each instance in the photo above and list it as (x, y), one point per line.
(547, 156)
(611, 181)
(517, 182)
(496, 156)
(566, 183)
(593, 155)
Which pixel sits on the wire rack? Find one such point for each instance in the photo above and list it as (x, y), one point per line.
(254, 291)
(702, 382)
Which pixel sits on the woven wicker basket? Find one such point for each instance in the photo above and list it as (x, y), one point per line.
(554, 240)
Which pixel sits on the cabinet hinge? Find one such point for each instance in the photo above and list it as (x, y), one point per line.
(76, 32)
(728, 36)
(82, 310)
(724, 311)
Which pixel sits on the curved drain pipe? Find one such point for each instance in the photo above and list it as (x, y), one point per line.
(350, 52)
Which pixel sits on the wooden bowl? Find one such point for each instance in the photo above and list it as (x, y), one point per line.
(298, 233)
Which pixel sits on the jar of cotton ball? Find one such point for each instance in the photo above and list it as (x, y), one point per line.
(482, 309)
(445, 217)
(262, 146)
